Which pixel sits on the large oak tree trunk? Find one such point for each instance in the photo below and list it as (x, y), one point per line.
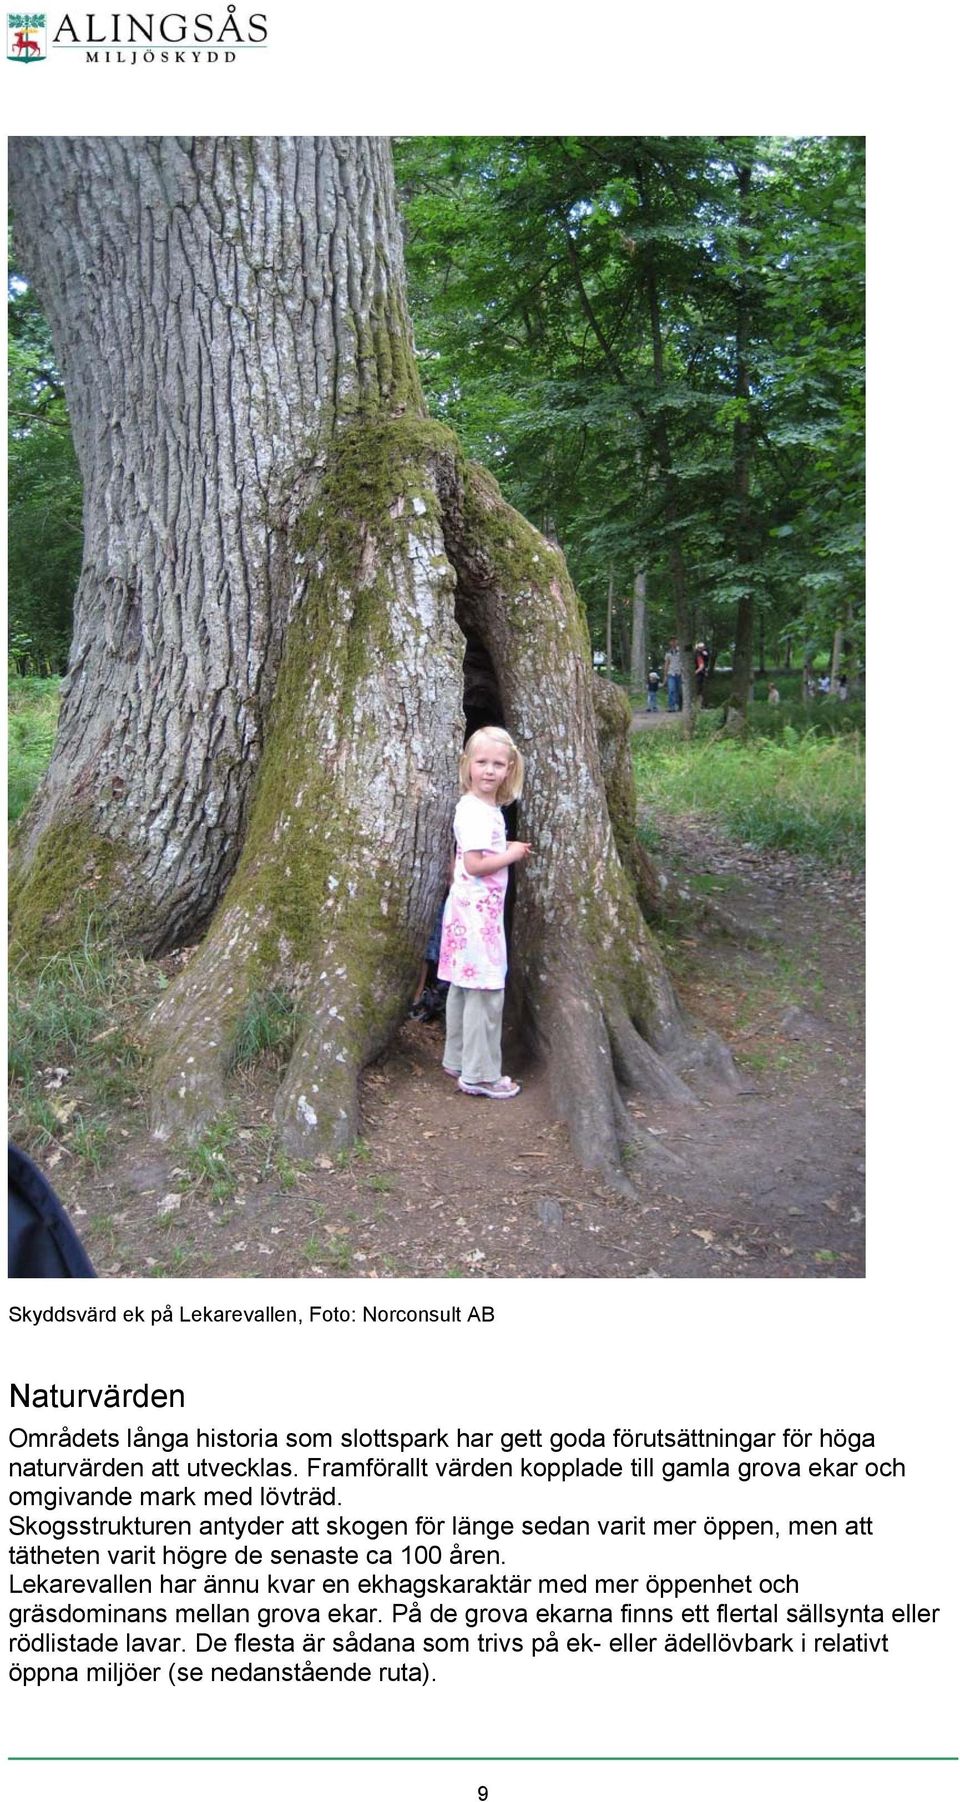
(285, 563)
(217, 305)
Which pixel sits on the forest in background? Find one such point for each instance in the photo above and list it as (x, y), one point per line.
(657, 347)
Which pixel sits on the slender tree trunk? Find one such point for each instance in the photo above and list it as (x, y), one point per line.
(836, 660)
(285, 563)
(671, 493)
(610, 621)
(638, 636)
(741, 688)
(624, 630)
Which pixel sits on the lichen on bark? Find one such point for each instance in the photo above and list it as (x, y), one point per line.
(344, 853)
(590, 985)
(284, 561)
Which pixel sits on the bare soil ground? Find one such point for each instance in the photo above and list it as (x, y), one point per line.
(765, 1183)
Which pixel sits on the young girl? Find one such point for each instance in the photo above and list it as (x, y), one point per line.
(473, 949)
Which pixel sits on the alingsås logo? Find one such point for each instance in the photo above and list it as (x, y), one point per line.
(26, 37)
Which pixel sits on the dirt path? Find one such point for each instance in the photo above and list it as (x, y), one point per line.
(642, 721)
(766, 1183)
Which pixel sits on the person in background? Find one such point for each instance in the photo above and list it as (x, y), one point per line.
(773, 696)
(701, 664)
(673, 670)
(844, 688)
(653, 686)
(430, 999)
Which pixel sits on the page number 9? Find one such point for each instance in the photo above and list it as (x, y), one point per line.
(482, 1793)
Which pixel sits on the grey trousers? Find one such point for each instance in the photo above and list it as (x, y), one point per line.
(473, 1033)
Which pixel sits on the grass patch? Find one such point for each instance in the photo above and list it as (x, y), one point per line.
(208, 1163)
(827, 718)
(287, 1172)
(266, 1028)
(90, 1140)
(800, 792)
(72, 1054)
(339, 1252)
(357, 1153)
(274, 1160)
(182, 1261)
(33, 703)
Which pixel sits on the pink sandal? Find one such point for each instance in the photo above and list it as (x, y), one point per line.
(503, 1089)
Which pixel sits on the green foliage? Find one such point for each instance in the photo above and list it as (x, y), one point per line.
(536, 266)
(33, 703)
(805, 793)
(45, 535)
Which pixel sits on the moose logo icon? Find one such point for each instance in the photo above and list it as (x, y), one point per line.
(26, 37)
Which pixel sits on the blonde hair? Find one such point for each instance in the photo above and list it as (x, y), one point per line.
(511, 787)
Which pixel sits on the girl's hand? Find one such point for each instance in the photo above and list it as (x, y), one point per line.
(517, 851)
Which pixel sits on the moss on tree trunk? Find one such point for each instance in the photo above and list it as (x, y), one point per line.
(285, 564)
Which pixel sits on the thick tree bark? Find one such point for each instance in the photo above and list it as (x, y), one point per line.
(285, 564)
(217, 304)
(662, 900)
(594, 992)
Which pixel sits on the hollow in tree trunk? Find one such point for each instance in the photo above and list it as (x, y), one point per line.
(288, 568)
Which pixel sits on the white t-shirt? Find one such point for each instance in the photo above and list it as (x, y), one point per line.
(473, 947)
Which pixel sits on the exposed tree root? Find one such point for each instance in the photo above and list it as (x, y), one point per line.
(284, 562)
(344, 859)
(345, 856)
(596, 998)
(662, 900)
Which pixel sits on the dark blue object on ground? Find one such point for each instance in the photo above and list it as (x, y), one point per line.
(41, 1241)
